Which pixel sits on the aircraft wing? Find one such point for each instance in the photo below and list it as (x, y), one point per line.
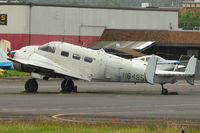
(51, 66)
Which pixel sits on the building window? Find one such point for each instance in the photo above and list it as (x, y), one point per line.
(88, 59)
(64, 53)
(76, 56)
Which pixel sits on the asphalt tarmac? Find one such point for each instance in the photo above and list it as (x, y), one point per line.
(100, 101)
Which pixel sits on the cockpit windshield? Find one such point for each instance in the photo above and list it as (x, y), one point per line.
(48, 48)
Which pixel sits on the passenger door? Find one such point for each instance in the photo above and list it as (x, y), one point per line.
(112, 70)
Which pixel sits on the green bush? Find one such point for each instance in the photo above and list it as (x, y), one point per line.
(9, 73)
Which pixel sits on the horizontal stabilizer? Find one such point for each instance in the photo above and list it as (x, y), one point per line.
(189, 73)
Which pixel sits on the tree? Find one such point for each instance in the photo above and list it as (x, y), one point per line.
(189, 19)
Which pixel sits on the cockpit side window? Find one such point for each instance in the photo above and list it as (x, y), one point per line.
(47, 48)
(52, 49)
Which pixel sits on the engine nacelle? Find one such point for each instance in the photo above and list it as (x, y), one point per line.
(17, 66)
(21, 67)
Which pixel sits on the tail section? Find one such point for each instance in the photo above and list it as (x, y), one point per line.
(190, 70)
(151, 69)
(168, 76)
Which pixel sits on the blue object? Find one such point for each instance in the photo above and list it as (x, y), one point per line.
(6, 65)
(183, 131)
(170, 62)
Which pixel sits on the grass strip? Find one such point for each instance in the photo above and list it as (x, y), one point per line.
(10, 73)
(58, 127)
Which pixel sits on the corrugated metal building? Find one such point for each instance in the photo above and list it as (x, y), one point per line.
(168, 44)
(34, 24)
(175, 45)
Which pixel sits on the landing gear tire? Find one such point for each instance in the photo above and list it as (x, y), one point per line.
(75, 88)
(164, 91)
(31, 86)
(68, 86)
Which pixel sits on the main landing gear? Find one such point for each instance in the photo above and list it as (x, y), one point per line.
(164, 91)
(67, 86)
(31, 85)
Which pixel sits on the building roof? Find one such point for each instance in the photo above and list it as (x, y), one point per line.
(159, 36)
(94, 7)
(137, 45)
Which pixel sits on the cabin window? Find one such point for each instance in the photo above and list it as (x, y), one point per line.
(47, 48)
(64, 53)
(76, 56)
(88, 59)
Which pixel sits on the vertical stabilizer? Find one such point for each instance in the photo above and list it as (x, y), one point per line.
(190, 70)
(151, 69)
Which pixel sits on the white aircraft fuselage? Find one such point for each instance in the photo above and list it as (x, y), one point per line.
(68, 61)
(93, 65)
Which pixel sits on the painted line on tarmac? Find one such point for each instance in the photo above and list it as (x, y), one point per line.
(74, 119)
(59, 117)
(120, 120)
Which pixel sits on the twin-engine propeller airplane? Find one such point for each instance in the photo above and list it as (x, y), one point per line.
(68, 61)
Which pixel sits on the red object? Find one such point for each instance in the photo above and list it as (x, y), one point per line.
(20, 40)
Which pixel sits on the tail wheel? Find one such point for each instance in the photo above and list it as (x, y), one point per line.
(31, 85)
(67, 85)
(164, 91)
